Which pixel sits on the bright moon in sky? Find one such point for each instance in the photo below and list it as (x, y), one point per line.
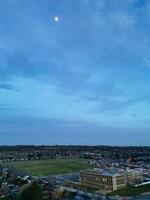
(56, 19)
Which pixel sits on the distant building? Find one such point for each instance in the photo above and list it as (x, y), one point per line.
(104, 180)
(133, 177)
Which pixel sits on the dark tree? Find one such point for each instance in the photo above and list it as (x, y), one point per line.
(31, 191)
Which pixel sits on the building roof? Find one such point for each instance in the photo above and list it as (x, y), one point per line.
(104, 172)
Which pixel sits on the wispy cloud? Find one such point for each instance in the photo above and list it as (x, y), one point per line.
(146, 61)
(4, 107)
(88, 67)
(7, 86)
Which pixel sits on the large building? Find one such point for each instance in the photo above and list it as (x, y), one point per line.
(134, 177)
(104, 180)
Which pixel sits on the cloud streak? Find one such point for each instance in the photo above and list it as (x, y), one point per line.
(7, 86)
(89, 67)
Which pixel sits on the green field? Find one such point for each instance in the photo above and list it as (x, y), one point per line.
(132, 191)
(48, 167)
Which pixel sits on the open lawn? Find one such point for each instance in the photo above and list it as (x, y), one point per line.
(132, 191)
(48, 167)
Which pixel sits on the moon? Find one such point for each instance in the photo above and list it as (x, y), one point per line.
(56, 19)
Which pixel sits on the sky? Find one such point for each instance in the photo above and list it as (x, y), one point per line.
(75, 72)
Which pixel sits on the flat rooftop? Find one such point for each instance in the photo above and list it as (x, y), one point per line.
(105, 172)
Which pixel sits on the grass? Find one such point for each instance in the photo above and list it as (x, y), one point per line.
(131, 191)
(48, 167)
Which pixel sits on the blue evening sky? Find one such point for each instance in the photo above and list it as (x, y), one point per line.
(75, 72)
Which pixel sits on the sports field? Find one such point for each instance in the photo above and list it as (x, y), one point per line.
(48, 167)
